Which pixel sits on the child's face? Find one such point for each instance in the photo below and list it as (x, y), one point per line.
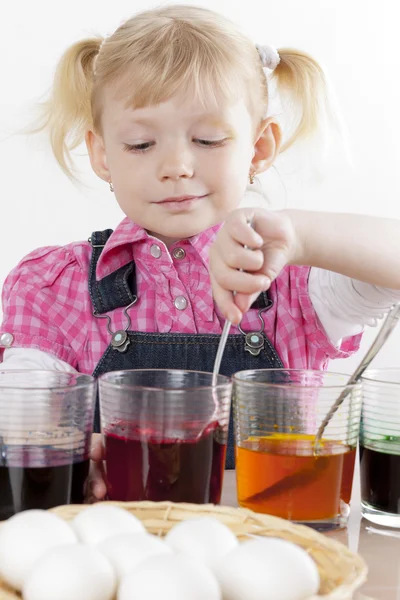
(159, 155)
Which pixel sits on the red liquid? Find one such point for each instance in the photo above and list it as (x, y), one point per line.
(23, 488)
(141, 468)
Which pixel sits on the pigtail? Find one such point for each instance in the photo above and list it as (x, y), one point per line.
(67, 114)
(300, 78)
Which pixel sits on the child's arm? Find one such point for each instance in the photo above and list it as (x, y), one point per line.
(361, 247)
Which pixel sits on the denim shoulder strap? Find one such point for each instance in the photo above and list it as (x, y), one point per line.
(263, 301)
(116, 289)
(119, 288)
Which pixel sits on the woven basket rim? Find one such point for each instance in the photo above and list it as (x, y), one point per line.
(159, 517)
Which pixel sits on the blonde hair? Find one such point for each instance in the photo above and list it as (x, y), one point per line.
(159, 52)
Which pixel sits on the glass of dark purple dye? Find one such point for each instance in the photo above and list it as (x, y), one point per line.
(46, 422)
(165, 434)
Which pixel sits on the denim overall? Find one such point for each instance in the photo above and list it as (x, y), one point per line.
(135, 350)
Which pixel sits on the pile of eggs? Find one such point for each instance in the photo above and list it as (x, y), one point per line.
(104, 553)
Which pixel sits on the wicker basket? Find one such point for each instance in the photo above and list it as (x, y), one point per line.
(341, 571)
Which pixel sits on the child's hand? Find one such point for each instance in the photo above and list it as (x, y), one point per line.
(271, 243)
(96, 485)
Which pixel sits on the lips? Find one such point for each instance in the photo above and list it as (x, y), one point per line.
(178, 199)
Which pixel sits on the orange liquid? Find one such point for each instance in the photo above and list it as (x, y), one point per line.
(279, 475)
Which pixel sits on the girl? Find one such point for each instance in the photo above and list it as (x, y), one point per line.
(173, 109)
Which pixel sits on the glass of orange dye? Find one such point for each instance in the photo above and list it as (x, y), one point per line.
(277, 414)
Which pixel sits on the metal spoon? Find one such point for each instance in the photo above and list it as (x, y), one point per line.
(220, 352)
(385, 331)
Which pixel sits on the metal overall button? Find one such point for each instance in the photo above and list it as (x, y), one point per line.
(254, 340)
(119, 339)
(254, 343)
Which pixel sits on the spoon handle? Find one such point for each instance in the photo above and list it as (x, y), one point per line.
(385, 331)
(220, 352)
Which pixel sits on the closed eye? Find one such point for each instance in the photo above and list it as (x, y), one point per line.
(210, 143)
(139, 148)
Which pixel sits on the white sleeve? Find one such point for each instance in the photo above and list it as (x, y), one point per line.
(345, 306)
(30, 358)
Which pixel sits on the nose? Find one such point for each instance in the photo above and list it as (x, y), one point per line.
(176, 163)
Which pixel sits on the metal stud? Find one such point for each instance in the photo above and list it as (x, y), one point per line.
(254, 342)
(178, 253)
(120, 340)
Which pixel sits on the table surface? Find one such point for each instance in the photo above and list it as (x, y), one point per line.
(380, 548)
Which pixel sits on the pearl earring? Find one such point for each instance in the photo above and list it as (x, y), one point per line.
(111, 186)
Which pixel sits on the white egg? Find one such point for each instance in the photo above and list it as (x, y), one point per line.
(268, 569)
(127, 550)
(71, 572)
(204, 539)
(25, 537)
(101, 521)
(170, 577)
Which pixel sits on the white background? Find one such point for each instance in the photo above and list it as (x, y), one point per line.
(356, 40)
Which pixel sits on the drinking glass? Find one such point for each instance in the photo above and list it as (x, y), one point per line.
(277, 413)
(165, 434)
(46, 423)
(380, 447)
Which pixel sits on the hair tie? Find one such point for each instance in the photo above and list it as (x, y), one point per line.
(269, 56)
(98, 52)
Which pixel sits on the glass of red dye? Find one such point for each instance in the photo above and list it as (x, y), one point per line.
(165, 434)
(46, 423)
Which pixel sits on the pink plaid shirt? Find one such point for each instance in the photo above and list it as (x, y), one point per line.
(47, 305)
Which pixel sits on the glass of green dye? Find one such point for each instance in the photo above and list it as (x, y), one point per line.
(380, 447)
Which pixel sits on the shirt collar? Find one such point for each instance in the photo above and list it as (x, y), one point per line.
(202, 242)
(118, 250)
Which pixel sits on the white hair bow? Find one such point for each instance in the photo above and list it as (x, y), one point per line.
(269, 56)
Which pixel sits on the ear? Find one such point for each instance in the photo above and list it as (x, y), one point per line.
(266, 146)
(97, 155)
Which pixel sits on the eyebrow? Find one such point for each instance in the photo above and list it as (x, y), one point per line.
(200, 119)
(206, 119)
(214, 122)
(147, 122)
